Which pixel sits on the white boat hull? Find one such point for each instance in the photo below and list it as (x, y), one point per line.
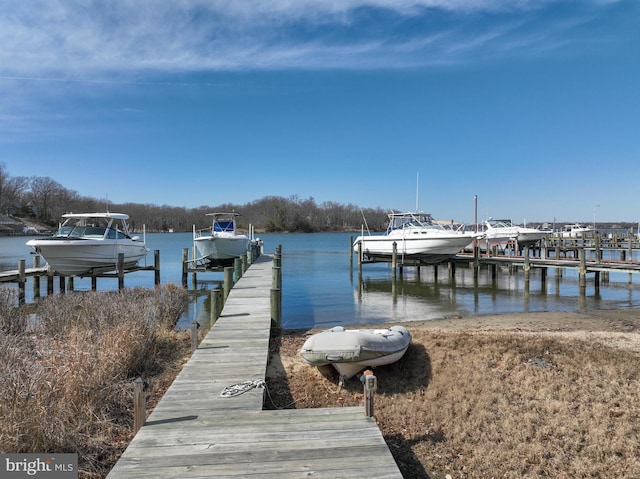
(220, 248)
(428, 248)
(350, 351)
(77, 257)
(523, 238)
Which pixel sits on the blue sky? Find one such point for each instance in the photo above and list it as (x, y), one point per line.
(532, 105)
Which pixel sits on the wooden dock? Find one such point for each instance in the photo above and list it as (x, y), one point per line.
(195, 432)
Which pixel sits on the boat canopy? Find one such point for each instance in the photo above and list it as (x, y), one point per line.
(93, 226)
(399, 221)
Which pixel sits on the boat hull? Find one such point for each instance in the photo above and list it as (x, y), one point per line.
(351, 351)
(77, 257)
(523, 238)
(425, 248)
(220, 249)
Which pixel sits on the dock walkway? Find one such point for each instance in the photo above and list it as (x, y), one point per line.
(194, 432)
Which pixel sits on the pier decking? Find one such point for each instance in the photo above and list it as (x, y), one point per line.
(194, 432)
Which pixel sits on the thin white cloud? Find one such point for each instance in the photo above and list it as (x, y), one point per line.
(70, 42)
(89, 40)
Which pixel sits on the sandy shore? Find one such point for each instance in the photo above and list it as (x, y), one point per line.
(617, 327)
(619, 320)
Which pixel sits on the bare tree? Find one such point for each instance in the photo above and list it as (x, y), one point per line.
(46, 196)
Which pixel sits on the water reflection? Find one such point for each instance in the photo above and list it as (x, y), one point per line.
(431, 293)
(322, 287)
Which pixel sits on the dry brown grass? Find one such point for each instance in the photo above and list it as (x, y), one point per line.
(66, 378)
(503, 403)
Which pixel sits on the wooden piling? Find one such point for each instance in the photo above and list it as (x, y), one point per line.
(394, 258)
(120, 271)
(216, 305)
(228, 281)
(370, 385)
(582, 270)
(237, 270)
(36, 279)
(185, 267)
(276, 311)
(22, 281)
(139, 404)
(156, 267)
(194, 336)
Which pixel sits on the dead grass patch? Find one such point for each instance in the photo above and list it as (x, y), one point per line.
(65, 380)
(480, 404)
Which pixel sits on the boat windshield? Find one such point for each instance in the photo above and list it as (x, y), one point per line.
(222, 226)
(90, 228)
(412, 220)
(500, 223)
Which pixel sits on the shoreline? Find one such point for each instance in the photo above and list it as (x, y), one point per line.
(543, 394)
(618, 328)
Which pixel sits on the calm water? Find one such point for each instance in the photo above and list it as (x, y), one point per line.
(321, 288)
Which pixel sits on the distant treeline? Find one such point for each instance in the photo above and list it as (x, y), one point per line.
(45, 200)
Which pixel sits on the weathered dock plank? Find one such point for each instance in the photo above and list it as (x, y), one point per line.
(195, 432)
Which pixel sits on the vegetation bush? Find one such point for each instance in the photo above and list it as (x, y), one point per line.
(66, 372)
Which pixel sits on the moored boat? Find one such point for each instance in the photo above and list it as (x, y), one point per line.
(417, 236)
(350, 351)
(575, 231)
(501, 232)
(85, 242)
(221, 243)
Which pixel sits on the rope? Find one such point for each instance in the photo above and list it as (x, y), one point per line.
(241, 388)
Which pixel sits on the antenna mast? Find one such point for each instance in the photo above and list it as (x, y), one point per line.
(417, 189)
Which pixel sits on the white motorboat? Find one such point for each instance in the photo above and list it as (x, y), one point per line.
(350, 351)
(221, 243)
(88, 241)
(502, 232)
(417, 236)
(575, 231)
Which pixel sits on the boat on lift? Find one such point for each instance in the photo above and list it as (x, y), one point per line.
(502, 232)
(85, 242)
(576, 231)
(417, 236)
(350, 351)
(221, 243)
